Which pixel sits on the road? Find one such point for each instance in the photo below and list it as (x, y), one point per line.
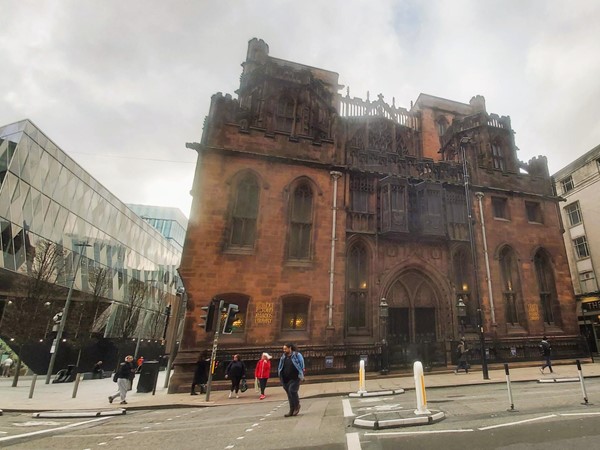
(548, 416)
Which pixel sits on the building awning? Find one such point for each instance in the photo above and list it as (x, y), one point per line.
(590, 304)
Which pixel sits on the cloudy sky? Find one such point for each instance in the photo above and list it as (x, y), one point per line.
(121, 86)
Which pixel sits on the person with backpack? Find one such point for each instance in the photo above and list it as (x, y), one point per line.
(546, 351)
(461, 353)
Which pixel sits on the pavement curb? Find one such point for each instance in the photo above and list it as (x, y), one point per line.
(378, 424)
(375, 393)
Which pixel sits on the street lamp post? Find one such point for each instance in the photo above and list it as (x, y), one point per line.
(463, 147)
(385, 356)
(65, 313)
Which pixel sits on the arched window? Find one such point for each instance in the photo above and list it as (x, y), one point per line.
(244, 213)
(295, 313)
(546, 286)
(510, 287)
(357, 289)
(301, 218)
(463, 270)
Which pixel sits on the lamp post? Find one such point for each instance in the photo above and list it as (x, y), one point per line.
(177, 333)
(463, 147)
(383, 316)
(65, 313)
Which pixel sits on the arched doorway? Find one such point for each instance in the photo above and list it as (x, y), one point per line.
(413, 328)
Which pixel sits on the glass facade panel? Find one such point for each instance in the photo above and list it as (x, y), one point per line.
(45, 197)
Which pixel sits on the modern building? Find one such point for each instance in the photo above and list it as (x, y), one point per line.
(170, 222)
(343, 225)
(577, 183)
(52, 211)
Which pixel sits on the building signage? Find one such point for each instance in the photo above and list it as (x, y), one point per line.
(264, 313)
(593, 306)
(533, 312)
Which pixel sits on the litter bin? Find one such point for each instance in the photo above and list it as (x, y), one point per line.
(147, 376)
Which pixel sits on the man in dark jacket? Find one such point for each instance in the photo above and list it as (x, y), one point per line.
(546, 351)
(201, 373)
(124, 374)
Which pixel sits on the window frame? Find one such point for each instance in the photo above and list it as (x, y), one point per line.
(498, 159)
(503, 202)
(579, 245)
(242, 218)
(576, 211)
(357, 290)
(535, 216)
(301, 228)
(567, 184)
(301, 307)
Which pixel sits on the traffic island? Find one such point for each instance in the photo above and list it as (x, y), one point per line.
(79, 413)
(361, 394)
(396, 419)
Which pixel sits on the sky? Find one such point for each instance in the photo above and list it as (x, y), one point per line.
(121, 86)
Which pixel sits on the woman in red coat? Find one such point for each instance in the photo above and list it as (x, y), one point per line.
(262, 372)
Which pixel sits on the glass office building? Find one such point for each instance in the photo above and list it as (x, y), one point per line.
(171, 222)
(46, 197)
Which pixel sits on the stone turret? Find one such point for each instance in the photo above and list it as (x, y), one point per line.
(478, 103)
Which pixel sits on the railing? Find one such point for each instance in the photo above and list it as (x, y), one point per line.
(356, 107)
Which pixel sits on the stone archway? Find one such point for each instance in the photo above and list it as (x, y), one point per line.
(413, 302)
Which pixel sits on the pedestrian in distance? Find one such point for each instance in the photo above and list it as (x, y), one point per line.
(122, 377)
(291, 373)
(235, 372)
(262, 373)
(139, 363)
(546, 351)
(97, 372)
(461, 352)
(201, 373)
(6, 366)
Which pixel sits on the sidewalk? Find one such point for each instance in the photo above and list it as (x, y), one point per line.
(92, 394)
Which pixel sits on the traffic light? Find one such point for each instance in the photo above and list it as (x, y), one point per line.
(209, 317)
(232, 310)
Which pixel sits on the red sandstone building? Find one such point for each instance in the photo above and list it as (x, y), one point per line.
(312, 211)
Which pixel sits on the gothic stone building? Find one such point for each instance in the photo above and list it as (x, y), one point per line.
(310, 207)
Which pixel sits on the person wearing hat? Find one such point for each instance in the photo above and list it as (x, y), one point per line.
(262, 373)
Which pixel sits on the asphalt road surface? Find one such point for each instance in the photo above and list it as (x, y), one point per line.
(549, 416)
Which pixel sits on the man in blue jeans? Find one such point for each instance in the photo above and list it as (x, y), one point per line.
(291, 373)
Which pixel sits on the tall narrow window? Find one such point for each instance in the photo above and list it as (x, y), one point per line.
(245, 213)
(285, 115)
(356, 303)
(497, 157)
(508, 266)
(462, 280)
(546, 286)
(301, 218)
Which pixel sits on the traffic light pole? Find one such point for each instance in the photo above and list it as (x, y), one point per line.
(214, 350)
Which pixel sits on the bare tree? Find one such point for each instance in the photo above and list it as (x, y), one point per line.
(156, 323)
(29, 314)
(136, 296)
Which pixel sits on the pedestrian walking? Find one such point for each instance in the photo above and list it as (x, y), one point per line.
(139, 363)
(236, 371)
(6, 366)
(546, 351)
(291, 373)
(201, 373)
(123, 377)
(461, 352)
(263, 372)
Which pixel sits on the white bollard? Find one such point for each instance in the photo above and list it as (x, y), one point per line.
(361, 378)
(420, 389)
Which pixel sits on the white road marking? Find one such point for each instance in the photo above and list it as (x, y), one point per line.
(255, 424)
(230, 446)
(102, 443)
(581, 414)
(134, 431)
(353, 441)
(50, 430)
(249, 429)
(118, 437)
(240, 438)
(347, 408)
(407, 433)
(517, 423)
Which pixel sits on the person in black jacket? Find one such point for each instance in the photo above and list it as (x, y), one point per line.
(546, 351)
(201, 373)
(236, 370)
(125, 372)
